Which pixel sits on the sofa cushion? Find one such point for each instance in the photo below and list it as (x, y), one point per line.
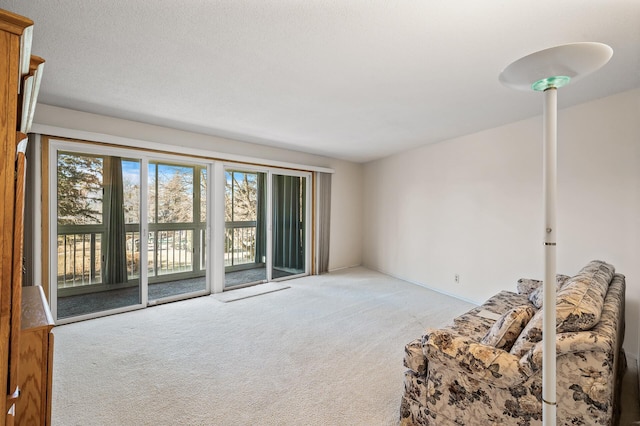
(580, 301)
(530, 335)
(507, 328)
(578, 305)
(474, 324)
(536, 296)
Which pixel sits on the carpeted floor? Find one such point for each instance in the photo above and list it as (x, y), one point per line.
(326, 351)
(246, 292)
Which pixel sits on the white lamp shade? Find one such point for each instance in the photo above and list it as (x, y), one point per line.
(574, 60)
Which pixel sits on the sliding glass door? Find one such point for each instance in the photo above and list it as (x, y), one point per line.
(245, 243)
(98, 233)
(289, 225)
(115, 248)
(128, 229)
(177, 230)
(265, 226)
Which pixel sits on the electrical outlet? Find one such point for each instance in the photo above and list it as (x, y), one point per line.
(457, 278)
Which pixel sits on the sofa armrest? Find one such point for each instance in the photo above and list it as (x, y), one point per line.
(475, 360)
(414, 357)
(569, 343)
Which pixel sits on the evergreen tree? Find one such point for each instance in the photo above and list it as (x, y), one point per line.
(79, 189)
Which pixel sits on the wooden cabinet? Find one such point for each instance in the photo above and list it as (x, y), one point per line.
(20, 75)
(35, 359)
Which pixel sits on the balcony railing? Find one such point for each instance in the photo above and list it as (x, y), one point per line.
(173, 251)
(240, 243)
(169, 251)
(79, 259)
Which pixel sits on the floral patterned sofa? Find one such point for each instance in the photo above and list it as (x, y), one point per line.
(486, 367)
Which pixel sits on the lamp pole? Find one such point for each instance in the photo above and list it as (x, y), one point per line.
(550, 120)
(546, 71)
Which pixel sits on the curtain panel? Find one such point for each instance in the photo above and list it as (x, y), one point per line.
(323, 192)
(115, 262)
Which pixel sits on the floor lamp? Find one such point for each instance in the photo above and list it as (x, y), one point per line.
(546, 71)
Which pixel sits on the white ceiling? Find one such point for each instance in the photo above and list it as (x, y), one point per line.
(351, 79)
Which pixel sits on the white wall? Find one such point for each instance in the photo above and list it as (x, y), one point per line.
(473, 205)
(346, 197)
(346, 215)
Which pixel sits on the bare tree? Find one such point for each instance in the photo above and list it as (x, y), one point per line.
(175, 197)
(241, 197)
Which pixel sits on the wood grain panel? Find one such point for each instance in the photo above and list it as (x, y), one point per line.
(16, 285)
(12, 23)
(32, 388)
(36, 357)
(12, 27)
(10, 54)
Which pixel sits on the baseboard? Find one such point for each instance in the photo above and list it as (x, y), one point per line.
(343, 267)
(437, 290)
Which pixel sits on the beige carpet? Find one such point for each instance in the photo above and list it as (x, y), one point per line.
(244, 293)
(327, 351)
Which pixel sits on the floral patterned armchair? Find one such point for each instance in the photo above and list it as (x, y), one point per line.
(480, 370)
